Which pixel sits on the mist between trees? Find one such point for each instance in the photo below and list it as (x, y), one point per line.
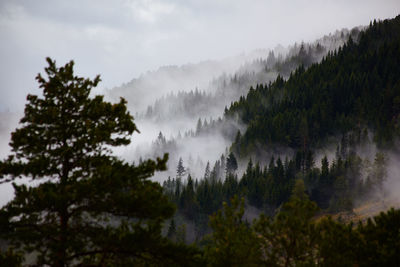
(269, 148)
(93, 209)
(303, 115)
(185, 117)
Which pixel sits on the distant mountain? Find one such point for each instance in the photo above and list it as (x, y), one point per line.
(225, 79)
(144, 90)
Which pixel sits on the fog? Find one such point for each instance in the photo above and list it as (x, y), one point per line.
(172, 100)
(180, 110)
(146, 52)
(392, 184)
(388, 194)
(223, 80)
(148, 87)
(8, 122)
(123, 39)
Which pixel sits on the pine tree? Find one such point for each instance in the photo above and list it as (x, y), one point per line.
(181, 234)
(207, 172)
(222, 166)
(199, 127)
(9, 258)
(84, 205)
(232, 243)
(379, 173)
(171, 234)
(290, 239)
(231, 164)
(161, 141)
(180, 170)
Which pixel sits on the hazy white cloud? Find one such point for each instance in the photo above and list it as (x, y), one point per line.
(121, 39)
(150, 11)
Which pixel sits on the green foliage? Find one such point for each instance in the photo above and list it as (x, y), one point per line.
(232, 242)
(353, 88)
(375, 243)
(337, 243)
(381, 240)
(295, 237)
(83, 205)
(290, 239)
(10, 259)
(334, 187)
(231, 164)
(171, 234)
(180, 170)
(181, 234)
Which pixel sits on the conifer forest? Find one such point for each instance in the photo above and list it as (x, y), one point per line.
(274, 157)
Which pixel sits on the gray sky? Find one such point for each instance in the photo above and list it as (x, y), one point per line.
(120, 39)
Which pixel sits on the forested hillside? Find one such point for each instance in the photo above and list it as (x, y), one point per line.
(315, 138)
(191, 121)
(209, 100)
(354, 88)
(348, 101)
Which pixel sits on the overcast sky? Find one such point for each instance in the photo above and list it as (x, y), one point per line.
(120, 39)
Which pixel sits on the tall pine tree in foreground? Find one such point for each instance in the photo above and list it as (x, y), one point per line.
(82, 206)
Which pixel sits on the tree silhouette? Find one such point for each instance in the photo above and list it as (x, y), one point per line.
(83, 205)
(231, 164)
(180, 170)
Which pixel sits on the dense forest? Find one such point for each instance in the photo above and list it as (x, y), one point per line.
(343, 100)
(198, 114)
(334, 186)
(84, 206)
(353, 89)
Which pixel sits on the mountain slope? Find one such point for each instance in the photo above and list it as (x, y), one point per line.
(226, 88)
(354, 88)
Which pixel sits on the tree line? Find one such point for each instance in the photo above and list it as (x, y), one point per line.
(83, 206)
(333, 186)
(354, 87)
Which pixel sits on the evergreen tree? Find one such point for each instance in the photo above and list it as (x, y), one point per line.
(290, 239)
(379, 174)
(171, 234)
(199, 127)
(187, 203)
(222, 167)
(207, 172)
(354, 87)
(181, 234)
(10, 258)
(232, 242)
(161, 141)
(381, 240)
(216, 171)
(84, 205)
(180, 170)
(231, 164)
